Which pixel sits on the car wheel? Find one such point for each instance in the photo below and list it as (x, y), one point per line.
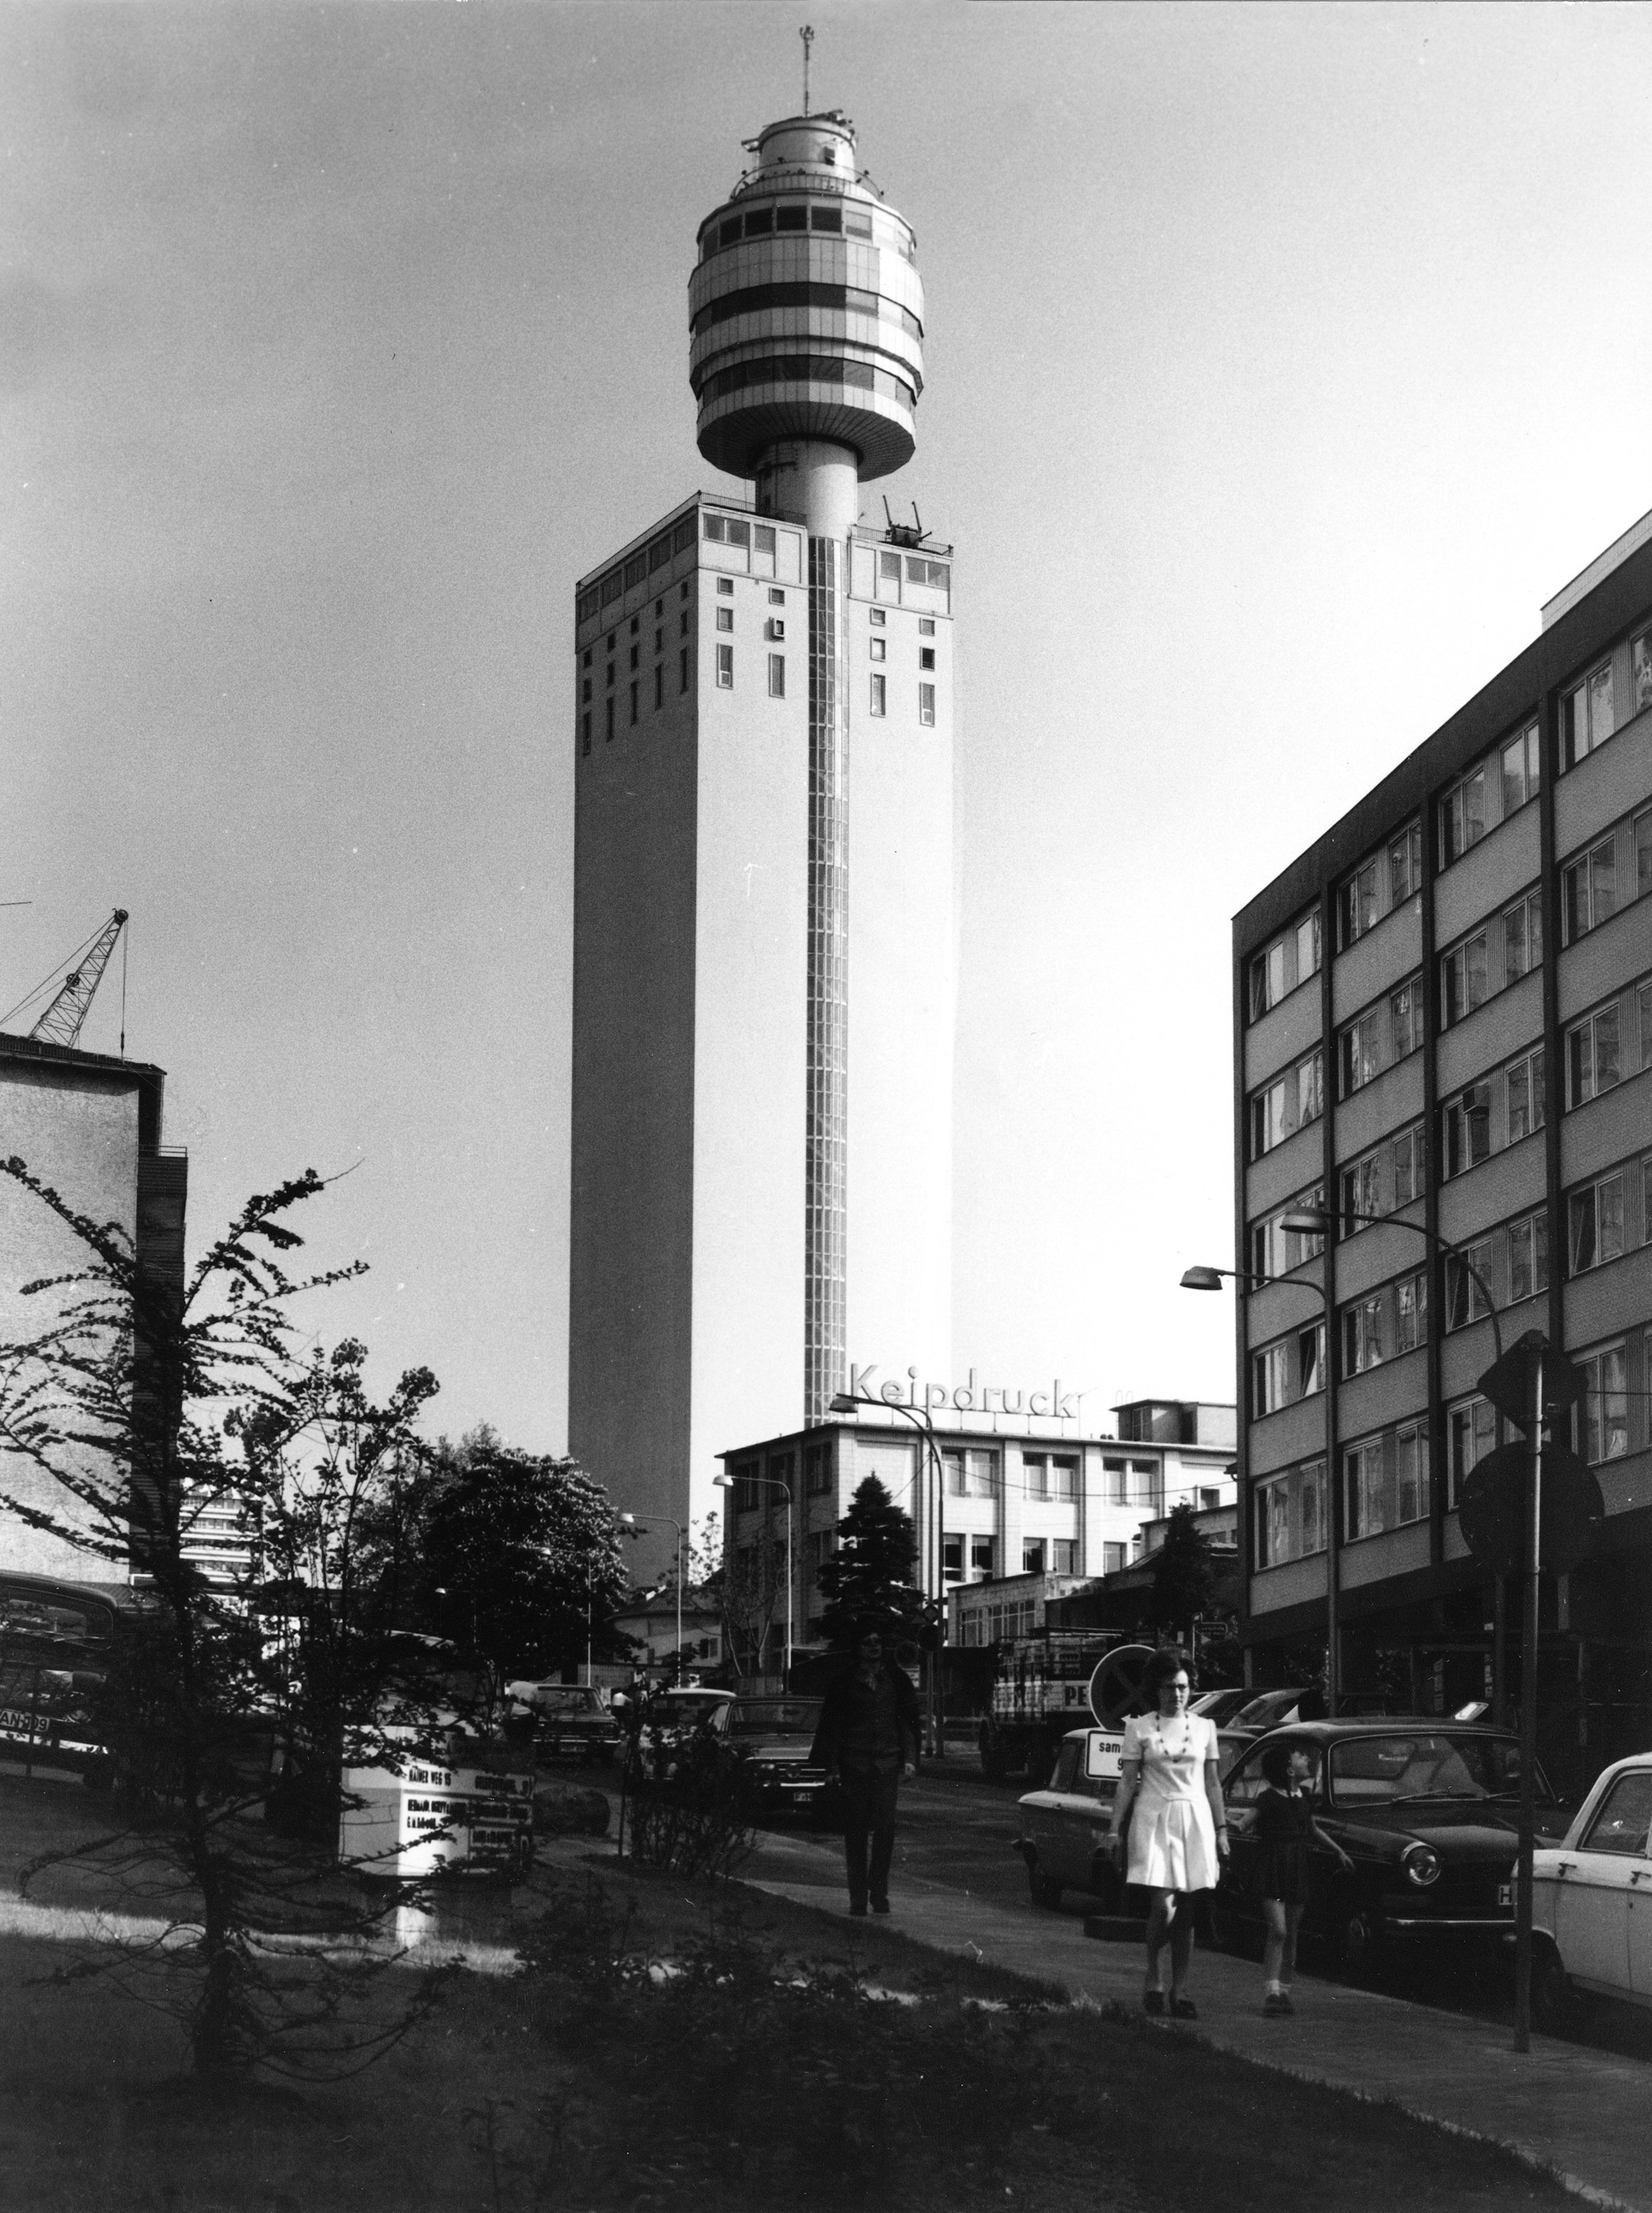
(1047, 1890)
(1554, 2001)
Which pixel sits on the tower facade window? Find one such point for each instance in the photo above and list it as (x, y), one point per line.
(777, 597)
(682, 624)
(776, 627)
(585, 733)
(879, 647)
(609, 732)
(926, 657)
(877, 618)
(777, 676)
(659, 685)
(611, 676)
(635, 689)
(682, 670)
(926, 626)
(636, 654)
(926, 703)
(585, 691)
(726, 587)
(725, 668)
(877, 694)
(725, 618)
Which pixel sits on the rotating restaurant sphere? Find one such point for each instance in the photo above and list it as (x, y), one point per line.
(806, 312)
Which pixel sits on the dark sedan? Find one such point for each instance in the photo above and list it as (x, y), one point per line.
(1421, 1817)
(774, 1738)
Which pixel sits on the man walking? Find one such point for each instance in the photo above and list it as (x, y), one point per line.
(869, 1737)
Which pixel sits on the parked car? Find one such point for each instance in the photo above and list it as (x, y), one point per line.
(570, 1721)
(1221, 1706)
(1422, 1814)
(1592, 1900)
(1064, 1824)
(674, 1715)
(774, 1738)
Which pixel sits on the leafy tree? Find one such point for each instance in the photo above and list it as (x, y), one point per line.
(128, 1414)
(1184, 1575)
(521, 1559)
(748, 1591)
(868, 1582)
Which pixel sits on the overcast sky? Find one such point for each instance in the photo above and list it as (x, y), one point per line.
(1281, 362)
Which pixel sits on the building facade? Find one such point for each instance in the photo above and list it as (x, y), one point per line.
(1443, 1011)
(1033, 1504)
(89, 1126)
(762, 723)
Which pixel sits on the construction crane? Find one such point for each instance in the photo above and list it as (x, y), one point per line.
(61, 1022)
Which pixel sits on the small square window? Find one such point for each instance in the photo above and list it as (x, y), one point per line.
(926, 626)
(925, 703)
(777, 597)
(725, 618)
(879, 618)
(926, 657)
(776, 627)
(877, 694)
(726, 586)
(725, 668)
(777, 676)
(879, 647)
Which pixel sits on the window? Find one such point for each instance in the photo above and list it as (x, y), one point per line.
(1462, 980)
(926, 657)
(1063, 1556)
(610, 678)
(1031, 1556)
(1523, 1086)
(926, 703)
(1626, 1815)
(1592, 1059)
(725, 668)
(1519, 770)
(585, 691)
(1468, 1278)
(1462, 817)
(926, 626)
(970, 1474)
(1589, 888)
(879, 647)
(585, 658)
(682, 670)
(1115, 1483)
(1407, 1157)
(775, 629)
(1289, 961)
(659, 641)
(1035, 1475)
(777, 597)
(1586, 716)
(1361, 1044)
(981, 1558)
(1385, 1481)
(1384, 1179)
(1473, 1430)
(1384, 1325)
(1289, 1515)
(1466, 1128)
(660, 686)
(1357, 903)
(1529, 1257)
(822, 1543)
(1405, 865)
(952, 1559)
(1293, 1368)
(727, 530)
(877, 618)
(1286, 1105)
(1606, 1406)
(607, 732)
(1410, 1313)
(817, 1469)
(1063, 1477)
(635, 689)
(1405, 1018)
(1274, 1250)
(877, 694)
(1362, 1193)
(1113, 1559)
(726, 587)
(1522, 938)
(1640, 669)
(725, 618)
(777, 676)
(1643, 997)
(682, 624)
(748, 1489)
(1364, 1335)
(1595, 1223)
(585, 733)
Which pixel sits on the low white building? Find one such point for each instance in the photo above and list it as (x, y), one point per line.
(993, 1494)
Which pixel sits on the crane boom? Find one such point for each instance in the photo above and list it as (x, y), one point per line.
(61, 1022)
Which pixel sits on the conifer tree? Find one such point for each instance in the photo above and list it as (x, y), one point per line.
(869, 1580)
(1184, 1576)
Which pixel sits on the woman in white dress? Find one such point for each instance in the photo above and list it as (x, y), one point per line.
(1178, 1836)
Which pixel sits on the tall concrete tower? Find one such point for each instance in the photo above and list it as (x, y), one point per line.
(762, 1063)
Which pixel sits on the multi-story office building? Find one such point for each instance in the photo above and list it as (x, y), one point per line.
(762, 925)
(995, 1497)
(1444, 1020)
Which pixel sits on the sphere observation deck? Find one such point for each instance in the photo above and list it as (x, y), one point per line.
(806, 312)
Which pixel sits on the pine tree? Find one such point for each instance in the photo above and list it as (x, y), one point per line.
(868, 1582)
(1184, 1575)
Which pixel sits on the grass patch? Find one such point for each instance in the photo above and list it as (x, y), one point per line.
(755, 2074)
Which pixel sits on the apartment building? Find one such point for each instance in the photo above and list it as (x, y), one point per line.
(1444, 1015)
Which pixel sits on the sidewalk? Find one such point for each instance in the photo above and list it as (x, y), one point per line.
(1587, 2114)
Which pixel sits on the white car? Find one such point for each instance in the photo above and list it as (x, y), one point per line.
(1591, 1899)
(1064, 1823)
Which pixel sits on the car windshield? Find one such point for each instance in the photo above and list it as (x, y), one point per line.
(559, 1701)
(775, 1717)
(1416, 1764)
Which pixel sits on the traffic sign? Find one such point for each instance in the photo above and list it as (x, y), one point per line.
(1492, 1510)
(1508, 1382)
(1117, 1684)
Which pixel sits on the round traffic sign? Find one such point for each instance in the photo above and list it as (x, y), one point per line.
(1117, 1685)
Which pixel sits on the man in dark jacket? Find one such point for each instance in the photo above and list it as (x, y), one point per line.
(867, 1737)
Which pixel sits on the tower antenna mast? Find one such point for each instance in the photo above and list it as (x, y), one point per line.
(806, 34)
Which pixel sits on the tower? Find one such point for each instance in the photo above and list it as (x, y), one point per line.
(763, 1062)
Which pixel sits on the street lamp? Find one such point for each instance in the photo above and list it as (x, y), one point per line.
(1210, 1279)
(772, 1483)
(633, 1523)
(1319, 1222)
(845, 1402)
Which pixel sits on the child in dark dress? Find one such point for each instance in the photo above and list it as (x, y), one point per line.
(1285, 1829)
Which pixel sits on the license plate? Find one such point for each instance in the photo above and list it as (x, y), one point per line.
(801, 1798)
(1505, 1893)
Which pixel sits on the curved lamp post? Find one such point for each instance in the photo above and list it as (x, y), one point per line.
(772, 1483)
(633, 1523)
(845, 1402)
(1319, 1222)
(1210, 1279)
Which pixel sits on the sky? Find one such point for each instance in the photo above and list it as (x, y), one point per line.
(1280, 361)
